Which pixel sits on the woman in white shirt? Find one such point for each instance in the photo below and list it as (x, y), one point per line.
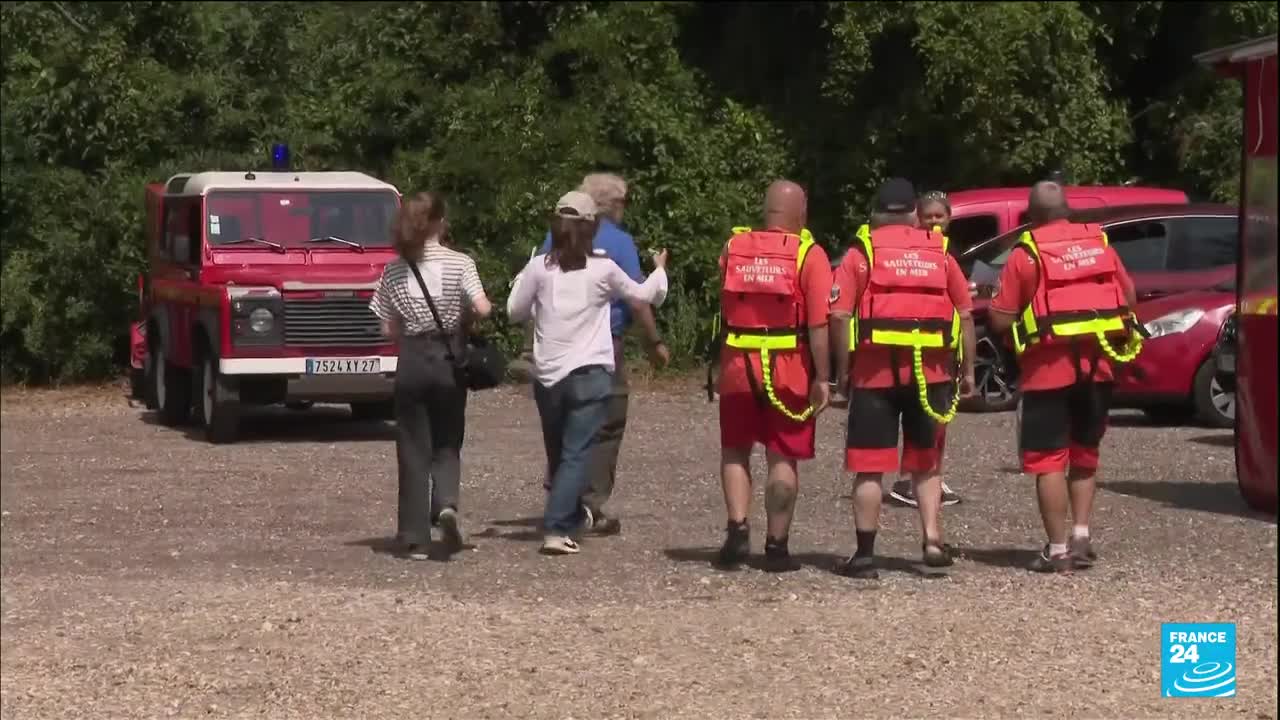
(567, 292)
(431, 404)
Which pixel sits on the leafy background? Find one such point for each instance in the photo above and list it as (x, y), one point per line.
(502, 106)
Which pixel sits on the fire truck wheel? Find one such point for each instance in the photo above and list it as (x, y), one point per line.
(373, 411)
(172, 390)
(217, 401)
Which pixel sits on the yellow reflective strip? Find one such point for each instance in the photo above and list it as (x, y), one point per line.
(1087, 327)
(1029, 323)
(739, 230)
(744, 341)
(864, 236)
(1105, 240)
(908, 338)
(805, 246)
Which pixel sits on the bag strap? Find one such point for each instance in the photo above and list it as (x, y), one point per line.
(431, 305)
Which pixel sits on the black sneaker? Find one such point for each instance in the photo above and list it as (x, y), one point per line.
(1044, 563)
(859, 568)
(949, 497)
(904, 492)
(936, 555)
(1081, 551)
(737, 545)
(777, 558)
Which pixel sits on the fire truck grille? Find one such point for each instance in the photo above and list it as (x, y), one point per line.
(332, 322)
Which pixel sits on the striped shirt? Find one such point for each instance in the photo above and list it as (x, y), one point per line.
(451, 278)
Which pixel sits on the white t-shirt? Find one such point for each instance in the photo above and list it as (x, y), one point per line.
(570, 312)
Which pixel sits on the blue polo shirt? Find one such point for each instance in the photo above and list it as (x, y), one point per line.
(620, 247)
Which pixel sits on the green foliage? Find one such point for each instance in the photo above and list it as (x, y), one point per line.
(503, 106)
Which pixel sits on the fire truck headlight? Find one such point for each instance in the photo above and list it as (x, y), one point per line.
(261, 321)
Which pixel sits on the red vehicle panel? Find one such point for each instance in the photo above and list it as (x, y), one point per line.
(1256, 422)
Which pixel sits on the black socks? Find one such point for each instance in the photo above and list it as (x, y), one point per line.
(866, 543)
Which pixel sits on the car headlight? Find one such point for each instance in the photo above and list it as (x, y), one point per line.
(261, 321)
(1174, 323)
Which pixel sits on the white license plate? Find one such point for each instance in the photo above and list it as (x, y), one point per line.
(343, 366)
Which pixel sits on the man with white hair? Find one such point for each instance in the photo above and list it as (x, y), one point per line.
(610, 194)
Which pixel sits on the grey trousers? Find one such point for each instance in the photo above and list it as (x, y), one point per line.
(431, 412)
(602, 465)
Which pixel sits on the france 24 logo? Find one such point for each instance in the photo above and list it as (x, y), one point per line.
(1198, 659)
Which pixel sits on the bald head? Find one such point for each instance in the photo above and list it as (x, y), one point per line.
(1048, 202)
(785, 206)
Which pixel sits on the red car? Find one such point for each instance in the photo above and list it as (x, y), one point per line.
(1175, 377)
(1166, 248)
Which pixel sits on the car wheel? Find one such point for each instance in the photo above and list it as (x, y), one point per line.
(172, 390)
(373, 411)
(218, 401)
(1215, 405)
(995, 378)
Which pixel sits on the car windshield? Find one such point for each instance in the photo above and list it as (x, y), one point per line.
(293, 218)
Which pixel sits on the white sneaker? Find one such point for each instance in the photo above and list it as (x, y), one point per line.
(559, 545)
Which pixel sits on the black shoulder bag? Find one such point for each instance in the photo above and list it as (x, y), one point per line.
(479, 364)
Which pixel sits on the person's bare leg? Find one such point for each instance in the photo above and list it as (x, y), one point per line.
(1051, 492)
(735, 481)
(867, 491)
(1082, 485)
(780, 494)
(928, 489)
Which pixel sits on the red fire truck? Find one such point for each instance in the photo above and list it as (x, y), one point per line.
(257, 292)
(1256, 324)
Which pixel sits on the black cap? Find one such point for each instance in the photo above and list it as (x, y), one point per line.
(896, 195)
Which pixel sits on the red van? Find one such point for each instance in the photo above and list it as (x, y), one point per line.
(978, 215)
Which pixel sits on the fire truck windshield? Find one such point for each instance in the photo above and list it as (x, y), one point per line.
(293, 218)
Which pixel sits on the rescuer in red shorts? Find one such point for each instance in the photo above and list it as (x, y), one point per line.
(774, 365)
(1061, 289)
(911, 308)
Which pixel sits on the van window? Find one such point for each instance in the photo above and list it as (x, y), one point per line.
(1204, 243)
(1142, 246)
(965, 232)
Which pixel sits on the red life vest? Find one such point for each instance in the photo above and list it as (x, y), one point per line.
(906, 293)
(1078, 294)
(761, 290)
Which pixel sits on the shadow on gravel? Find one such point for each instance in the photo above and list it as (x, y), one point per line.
(322, 425)
(825, 562)
(1216, 440)
(388, 546)
(1221, 498)
(1017, 558)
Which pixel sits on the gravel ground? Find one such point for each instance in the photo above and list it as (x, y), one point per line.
(147, 574)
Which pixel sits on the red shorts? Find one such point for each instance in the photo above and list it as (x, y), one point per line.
(745, 422)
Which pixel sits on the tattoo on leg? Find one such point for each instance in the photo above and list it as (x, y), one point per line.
(779, 498)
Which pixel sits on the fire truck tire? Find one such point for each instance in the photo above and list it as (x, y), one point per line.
(217, 401)
(373, 411)
(172, 390)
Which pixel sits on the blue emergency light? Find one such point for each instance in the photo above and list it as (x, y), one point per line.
(280, 157)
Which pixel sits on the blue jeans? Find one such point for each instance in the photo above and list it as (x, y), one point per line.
(572, 411)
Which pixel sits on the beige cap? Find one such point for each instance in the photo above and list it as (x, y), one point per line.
(576, 205)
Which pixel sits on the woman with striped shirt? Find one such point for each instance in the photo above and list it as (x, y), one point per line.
(567, 292)
(430, 401)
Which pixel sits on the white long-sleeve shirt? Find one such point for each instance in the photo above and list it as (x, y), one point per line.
(570, 312)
